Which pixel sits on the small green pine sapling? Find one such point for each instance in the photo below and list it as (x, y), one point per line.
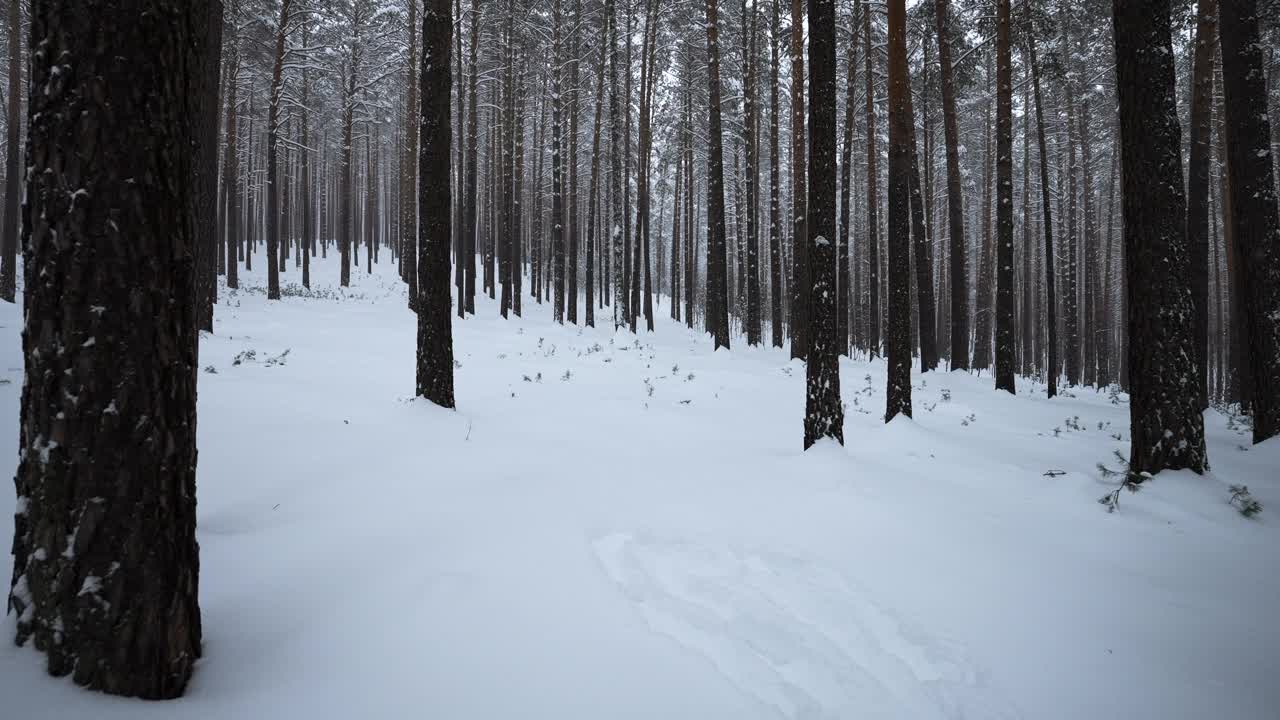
(1242, 501)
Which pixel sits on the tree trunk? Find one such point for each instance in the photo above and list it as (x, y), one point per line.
(1253, 206)
(898, 335)
(843, 276)
(469, 214)
(105, 555)
(958, 277)
(1167, 428)
(1051, 369)
(824, 414)
(717, 269)
(13, 152)
(409, 173)
(435, 333)
(873, 222)
(231, 168)
(800, 285)
(1006, 339)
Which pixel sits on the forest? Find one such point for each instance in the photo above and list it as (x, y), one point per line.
(640, 358)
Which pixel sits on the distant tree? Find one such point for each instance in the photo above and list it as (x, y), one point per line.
(1198, 182)
(106, 562)
(1046, 208)
(898, 336)
(800, 284)
(717, 266)
(775, 203)
(13, 152)
(958, 278)
(1166, 426)
(1006, 338)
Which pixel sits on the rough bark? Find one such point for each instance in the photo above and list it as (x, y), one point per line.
(898, 335)
(13, 154)
(1253, 207)
(106, 562)
(958, 277)
(435, 331)
(824, 414)
(1006, 340)
(1046, 207)
(1167, 428)
(717, 268)
(800, 285)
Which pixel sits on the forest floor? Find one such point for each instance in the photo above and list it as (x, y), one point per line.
(617, 526)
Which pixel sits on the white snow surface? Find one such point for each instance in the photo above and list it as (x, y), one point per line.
(636, 533)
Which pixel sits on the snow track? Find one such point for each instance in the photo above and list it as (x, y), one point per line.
(798, 636)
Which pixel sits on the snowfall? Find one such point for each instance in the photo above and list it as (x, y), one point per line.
(625, 526)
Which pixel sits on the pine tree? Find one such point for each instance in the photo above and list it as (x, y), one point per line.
(1006, 340)
(958, 277)
(13, 151)
(824, 414)
(1167, 429)
(435, 332)
(1253, 206)
(717, 266)
(898, 337)
(105, 556)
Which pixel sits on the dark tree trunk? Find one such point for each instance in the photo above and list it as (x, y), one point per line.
(595, 184)
(469, 214)
(824, 414)
(617, 218)
(206, 172)
(846, 177)
(717, 269)
(557, 174)
(800, 285)
(106, 562)
(750, 137)
(1006, 339)
(898, 335)
(409, 173)
(775, 235)
(958, 277)
(1051, 369)
(1253, 207)
(922, 241)
(435, 331)
(307, 248)
(1167, 428)
(984, 292)
(231, 169)
(571, 215)
(273, 131)
(13, 152)
(873, 203)
(345, 170)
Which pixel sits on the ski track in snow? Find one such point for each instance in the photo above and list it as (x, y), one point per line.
(798, 636)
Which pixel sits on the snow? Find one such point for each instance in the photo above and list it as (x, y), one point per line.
(614, 526)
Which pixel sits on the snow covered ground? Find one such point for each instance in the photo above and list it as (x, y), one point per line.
(613, 526)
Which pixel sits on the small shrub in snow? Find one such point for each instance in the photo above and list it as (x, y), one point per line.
(1131, 482)
(568, 375)
(1244, 502)
(946, 395)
